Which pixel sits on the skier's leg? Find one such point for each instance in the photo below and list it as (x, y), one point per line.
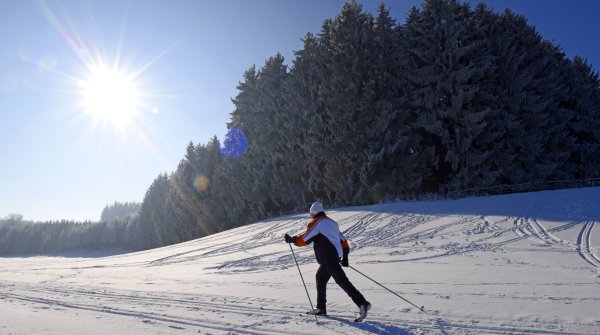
(322, 278)
(338, 274)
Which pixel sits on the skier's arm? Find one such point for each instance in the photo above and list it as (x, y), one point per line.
(307, 238)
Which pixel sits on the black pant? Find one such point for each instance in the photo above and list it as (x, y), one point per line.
(334, 269)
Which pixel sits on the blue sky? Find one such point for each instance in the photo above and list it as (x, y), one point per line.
(182, 61)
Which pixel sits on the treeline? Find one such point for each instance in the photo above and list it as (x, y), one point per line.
(27, 237)
(118, 229)
(119, 210)
(372, 110)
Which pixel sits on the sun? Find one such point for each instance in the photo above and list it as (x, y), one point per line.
(110, 96)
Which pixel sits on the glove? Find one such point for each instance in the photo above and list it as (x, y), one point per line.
(345, 261)
(289, 239)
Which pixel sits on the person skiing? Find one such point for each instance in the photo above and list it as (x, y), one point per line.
(331, 250)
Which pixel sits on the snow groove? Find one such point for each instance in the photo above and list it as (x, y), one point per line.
(586, 251)
(533, 229)
(148, 308)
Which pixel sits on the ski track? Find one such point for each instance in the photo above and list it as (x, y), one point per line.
(370, 230)
(151, 307)
(584, 247)
(268, 234)
(145, 315)
(364, 233)
(534, 230)
(390, 230)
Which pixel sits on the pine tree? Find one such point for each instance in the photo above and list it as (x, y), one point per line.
(307, 108)
(524, 78)
(445, 70)
(347, 124)
(583, 98)
(156, 214)
(393, 169)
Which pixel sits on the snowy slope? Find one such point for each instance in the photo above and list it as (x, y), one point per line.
(515, 264)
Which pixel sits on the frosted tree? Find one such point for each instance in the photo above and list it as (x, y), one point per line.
(244, 197)
(186, 207)
(272, 139)
(421, 98)
(390, 169)
(558, 143)
(198, 186)
(476, 111)
(307, 110)
(526, 78)
(496, 50)
(583, 98)
(445, 70)
(350, 119)
(260, 113)
(156, 213)
(119, 210)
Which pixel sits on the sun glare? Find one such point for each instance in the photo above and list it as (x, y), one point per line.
(110, 96)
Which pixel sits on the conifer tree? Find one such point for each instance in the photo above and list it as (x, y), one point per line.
(157, 214)
(393, 170)
(307, 108)
(444, 74)
(348, 122)
(522, 75)
(583, 97)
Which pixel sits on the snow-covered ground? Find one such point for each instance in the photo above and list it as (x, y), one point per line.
(515, 264)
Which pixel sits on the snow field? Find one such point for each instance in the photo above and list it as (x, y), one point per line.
(514, 264)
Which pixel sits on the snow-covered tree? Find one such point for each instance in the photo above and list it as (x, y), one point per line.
(444, 72)
(527, 81)
(583, 97)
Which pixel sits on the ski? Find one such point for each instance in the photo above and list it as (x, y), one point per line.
(357, 319)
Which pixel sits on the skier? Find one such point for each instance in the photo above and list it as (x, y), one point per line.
(331, 249)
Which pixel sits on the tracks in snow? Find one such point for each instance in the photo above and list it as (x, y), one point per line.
(183, 312)
(584, 246)
(532, 228)
(206, 312)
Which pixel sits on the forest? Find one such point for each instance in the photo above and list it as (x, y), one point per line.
(369, 110)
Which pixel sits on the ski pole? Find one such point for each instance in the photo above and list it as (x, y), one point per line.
(422, 308)
(301, 277)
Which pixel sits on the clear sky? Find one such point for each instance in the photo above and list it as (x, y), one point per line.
(169, 69)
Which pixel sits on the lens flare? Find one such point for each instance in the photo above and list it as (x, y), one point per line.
(201, 183)
(235, 143)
